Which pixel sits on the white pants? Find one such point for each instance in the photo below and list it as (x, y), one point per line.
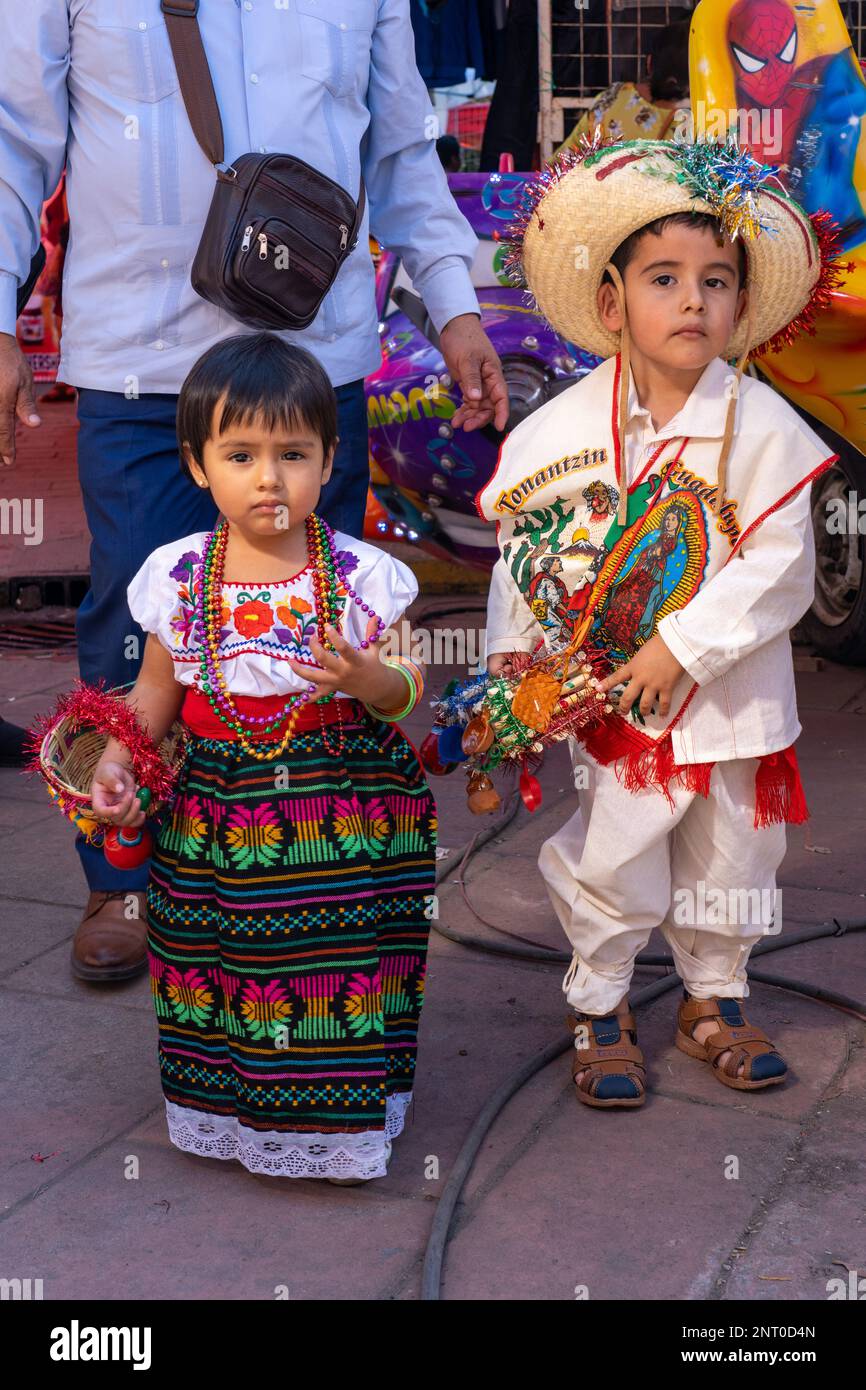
(625, 863)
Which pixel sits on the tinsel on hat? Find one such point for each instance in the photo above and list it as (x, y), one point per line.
(829, 282)
(534, 191)
(725, 177)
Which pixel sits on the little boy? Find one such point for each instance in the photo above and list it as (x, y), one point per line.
(674, 494)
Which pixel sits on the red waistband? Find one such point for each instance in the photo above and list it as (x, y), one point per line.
(197, 714)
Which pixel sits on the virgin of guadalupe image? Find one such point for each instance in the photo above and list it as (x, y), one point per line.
(652, 572)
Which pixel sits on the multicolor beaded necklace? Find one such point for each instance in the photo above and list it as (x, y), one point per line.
(328, 576)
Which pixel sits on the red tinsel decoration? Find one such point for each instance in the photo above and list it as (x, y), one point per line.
(94, 706)
(832, 274)
(535, 190)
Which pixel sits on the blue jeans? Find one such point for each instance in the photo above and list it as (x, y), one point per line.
(136, 499)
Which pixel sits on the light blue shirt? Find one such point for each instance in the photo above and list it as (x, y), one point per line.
(92, 84)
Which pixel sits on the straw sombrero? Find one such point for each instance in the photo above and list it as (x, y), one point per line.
(584, 204)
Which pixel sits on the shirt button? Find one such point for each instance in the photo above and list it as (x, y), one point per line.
(254, 77)
(247, 5)
(332, 337)
(142, 24)
(343, 26)
(262, 149)
(164, 263)
(159, 344)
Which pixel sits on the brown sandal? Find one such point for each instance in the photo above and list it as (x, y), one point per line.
(614, 1069)
(749, 1045)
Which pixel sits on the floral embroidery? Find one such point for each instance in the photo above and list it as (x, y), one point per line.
(363, 1005)
(254, 836)
(184, 622)
(271, 620)
(347, 560)
(253, 616)
(189, 995)
(298, 622)
(265, 1009)
(184, 567)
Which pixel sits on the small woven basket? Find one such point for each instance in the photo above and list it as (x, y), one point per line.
(65, 751)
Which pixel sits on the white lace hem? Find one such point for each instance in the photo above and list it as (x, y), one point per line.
(289, 1155)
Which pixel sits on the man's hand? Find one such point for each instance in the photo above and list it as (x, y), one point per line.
(473, 364)
(651, 676)
(16, 395)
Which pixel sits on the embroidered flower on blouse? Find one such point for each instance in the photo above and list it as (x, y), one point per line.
(185, 622)
(268, 617)
(347, 560)
(184, 567)
(252, 617)
(298, 622)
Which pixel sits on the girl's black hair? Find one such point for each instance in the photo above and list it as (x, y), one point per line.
(262, 378)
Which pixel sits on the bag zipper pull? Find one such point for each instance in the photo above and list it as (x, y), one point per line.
(248, 234)
(263, 246)
(344, 241)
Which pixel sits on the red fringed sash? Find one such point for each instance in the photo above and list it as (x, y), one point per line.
(640, 761)
(779, 794)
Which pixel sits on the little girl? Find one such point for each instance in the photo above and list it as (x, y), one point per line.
(290, 886)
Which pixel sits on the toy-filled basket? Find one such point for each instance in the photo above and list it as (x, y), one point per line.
(488, 723)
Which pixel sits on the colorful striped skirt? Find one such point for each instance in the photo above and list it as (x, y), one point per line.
(289, 907)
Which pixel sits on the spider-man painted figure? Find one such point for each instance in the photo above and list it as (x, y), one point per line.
(811, 113)
(762, 36)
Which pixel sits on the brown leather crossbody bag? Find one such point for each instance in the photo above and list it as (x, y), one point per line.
(277, 230)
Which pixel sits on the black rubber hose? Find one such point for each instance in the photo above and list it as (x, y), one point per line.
(431, 1278)
(551, 954)
(431, 1275)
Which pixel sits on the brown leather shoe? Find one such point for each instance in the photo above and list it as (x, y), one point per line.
(108, 945)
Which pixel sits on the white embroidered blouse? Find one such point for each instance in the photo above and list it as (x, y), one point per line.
(262, 624)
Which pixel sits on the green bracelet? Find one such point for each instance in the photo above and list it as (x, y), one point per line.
(413, 696)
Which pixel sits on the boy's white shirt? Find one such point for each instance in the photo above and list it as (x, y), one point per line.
(732, 638)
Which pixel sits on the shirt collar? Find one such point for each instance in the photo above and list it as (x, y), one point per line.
(703, 414)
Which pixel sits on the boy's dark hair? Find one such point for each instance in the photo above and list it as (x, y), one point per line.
(262, 378)
(627, 250)
(669, 72)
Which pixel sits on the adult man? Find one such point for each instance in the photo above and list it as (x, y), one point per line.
(92, 84)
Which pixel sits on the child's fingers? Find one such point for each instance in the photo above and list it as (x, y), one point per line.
(648, 699)
(132, 816)
(327, 660)
(340, 645)
(622, 673)
(126, 807)
(103, 805)
(629, 696)
(310, 675)
(108, 793)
